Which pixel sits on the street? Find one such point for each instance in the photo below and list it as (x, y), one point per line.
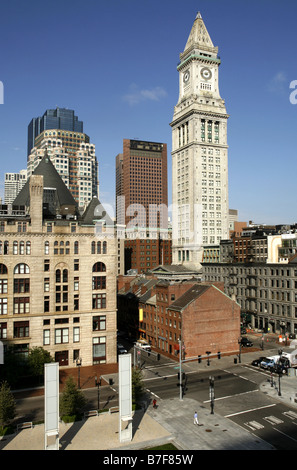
(237, 395)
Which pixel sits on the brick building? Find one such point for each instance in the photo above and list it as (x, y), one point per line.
(198, 314)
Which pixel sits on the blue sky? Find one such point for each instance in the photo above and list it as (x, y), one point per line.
(115, 64)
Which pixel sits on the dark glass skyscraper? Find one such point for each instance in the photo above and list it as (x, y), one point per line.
(59, 118)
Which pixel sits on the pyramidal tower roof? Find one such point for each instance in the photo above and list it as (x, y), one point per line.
(199, 38)
(51, 180)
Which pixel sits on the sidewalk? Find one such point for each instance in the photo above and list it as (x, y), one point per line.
(171, 422)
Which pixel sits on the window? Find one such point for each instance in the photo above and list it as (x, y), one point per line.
(99, 301)
(21, 269)
(28, 248)
(99, 268)
(3, 330)
(3, 286)
(21, 305)
(46, 248)
(3, 306)
(76, 284)
(99, 350)
(46, 337)
(76, 334)
(21, 286)
(3, 269)
(61, 335)
(99, 282)
(21, 329)
(99, 323)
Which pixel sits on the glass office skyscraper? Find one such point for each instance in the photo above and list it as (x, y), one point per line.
(59, 133)
(59, 118)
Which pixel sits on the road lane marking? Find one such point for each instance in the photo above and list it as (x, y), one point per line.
(273, 420)
(285, 434)
(232, 396)
(249, 411)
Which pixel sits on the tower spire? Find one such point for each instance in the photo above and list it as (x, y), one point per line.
(199, 37)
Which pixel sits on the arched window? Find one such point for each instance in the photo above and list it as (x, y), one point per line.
(99, 267)
(98, 248)
(6, 248)
(76, 248)
(46, 248)
(58, 275)
(21, 268)
(104, 248)
(93, 248)
(28, 248)
(65, 275)
(22, 248)
(15, 248)
(3, 269)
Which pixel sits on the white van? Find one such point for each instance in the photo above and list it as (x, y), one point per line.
(143, 345)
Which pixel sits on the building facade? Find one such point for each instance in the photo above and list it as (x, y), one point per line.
(261, 275)
(59, 118)
(59, 133)
(142, 204)
(167, 314)
(199, 151)
(13, 184)
(57, 274)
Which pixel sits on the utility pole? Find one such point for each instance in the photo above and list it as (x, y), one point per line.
(180, 371)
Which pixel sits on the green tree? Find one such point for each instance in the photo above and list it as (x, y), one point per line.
(137, 386)
(7, 405)
(72, 400)
(36, 359)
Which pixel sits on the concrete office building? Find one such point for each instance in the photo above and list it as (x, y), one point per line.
(142, 203)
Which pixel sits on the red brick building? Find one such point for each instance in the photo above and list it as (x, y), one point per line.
(199, 315)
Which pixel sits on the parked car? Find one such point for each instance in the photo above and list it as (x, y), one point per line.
(257, 362)
(246, 342)
(121, 349)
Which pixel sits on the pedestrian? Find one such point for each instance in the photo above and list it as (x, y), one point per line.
(196, 418)
(154, 403)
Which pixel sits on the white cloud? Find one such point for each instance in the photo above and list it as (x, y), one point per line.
(136, 95)
(278, 83)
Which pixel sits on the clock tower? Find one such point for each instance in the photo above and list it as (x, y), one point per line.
(199, 153)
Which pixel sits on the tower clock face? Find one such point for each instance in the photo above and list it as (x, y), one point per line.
(206, 73)
(186, 76)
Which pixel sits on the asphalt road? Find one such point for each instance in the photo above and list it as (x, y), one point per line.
(237, 396)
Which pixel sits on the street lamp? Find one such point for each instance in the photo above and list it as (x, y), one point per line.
(211, 394)
(279, 372)
(97, 384)
(239, 355)
(78, 364)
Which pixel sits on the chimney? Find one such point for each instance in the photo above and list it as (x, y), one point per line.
(36, 202)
